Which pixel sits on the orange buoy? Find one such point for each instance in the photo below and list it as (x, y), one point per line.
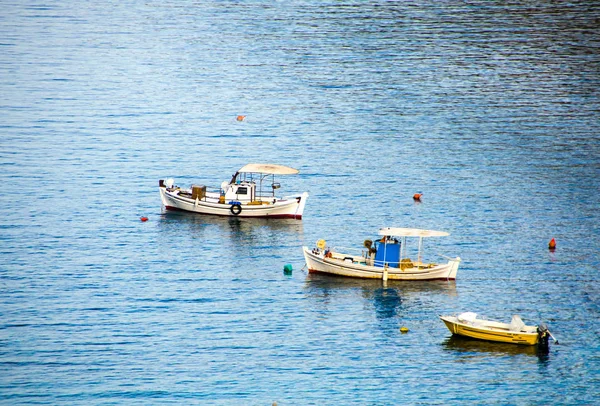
(144, 218)
(552, 244)
(417, 196)
(241, 118)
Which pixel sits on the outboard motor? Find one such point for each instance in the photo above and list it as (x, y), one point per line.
(543, 336)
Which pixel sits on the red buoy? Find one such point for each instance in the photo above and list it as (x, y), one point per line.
(417, 196)
(144, 218)
(241, 118)
(552, 244)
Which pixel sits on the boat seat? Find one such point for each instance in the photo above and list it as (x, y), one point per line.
(467, 317)
(516, 324)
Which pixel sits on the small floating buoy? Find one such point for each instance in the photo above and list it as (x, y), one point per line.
(241, 118)
(143, 218)
(287, 269)
(552, 245)
(417, 196)
(404, 330)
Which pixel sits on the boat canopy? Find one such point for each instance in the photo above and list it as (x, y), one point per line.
(270, 169)
(411, 232)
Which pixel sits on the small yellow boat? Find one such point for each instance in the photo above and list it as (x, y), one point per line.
(516, 332)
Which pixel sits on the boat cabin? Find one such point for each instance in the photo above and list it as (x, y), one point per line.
(242, 192)
(246, 187)
(388, 253)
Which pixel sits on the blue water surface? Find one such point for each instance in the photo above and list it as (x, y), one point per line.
(490, 109)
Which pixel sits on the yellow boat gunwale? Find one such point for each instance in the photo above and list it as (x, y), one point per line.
(490, 333)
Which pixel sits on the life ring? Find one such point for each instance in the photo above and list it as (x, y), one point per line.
(235, 209)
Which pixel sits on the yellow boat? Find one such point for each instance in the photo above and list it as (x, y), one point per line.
(516, 332)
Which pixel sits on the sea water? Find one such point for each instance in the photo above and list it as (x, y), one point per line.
(489, 109)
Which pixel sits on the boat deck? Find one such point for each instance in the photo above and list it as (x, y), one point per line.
(405, 263)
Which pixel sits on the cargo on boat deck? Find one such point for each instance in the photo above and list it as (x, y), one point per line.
(198, 192)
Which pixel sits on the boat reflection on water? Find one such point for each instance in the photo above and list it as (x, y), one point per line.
(470, 346)
(179, 220)
(386, 301)
(331, 283)
(386, 297)
(231, 238)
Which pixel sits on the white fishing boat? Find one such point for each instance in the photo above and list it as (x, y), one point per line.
(249, 193)
(516, 332)
(386, 258)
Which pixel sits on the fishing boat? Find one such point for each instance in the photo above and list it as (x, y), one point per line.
(249, 193)
(385, 258)
(516, 332)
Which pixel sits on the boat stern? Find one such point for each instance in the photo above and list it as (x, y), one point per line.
(314, 258)
(301, 203)
(454, 263)
(162, 188)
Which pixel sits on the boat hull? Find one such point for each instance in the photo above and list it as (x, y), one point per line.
(491, 331)
(355, 267)
(281, 208)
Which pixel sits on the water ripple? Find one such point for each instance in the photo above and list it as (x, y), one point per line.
(488, 109)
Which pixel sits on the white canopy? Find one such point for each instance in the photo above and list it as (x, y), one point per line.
(270, 169)
(411, 232)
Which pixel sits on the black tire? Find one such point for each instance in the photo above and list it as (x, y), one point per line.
(235, 209)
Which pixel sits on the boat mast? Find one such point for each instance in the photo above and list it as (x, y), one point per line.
(402, 248)
(384, 249)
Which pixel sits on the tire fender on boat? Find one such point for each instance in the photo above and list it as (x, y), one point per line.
(235, 209)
